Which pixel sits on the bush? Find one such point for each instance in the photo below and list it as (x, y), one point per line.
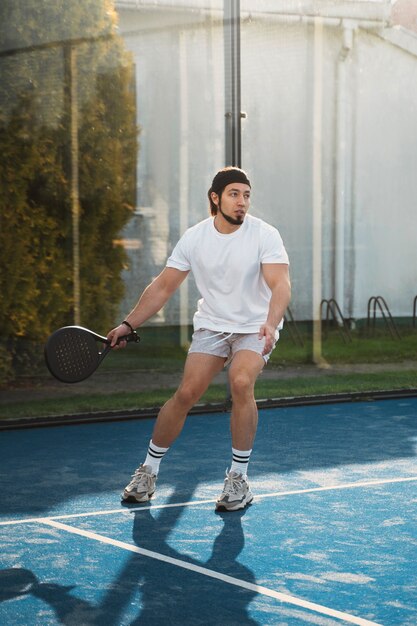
(36, 177)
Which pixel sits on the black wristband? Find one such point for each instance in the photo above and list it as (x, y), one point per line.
(130, 326)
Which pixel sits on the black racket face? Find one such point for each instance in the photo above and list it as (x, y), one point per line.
(72, 354)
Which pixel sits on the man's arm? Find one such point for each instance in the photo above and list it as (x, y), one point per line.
(277, 278)
(150, 302)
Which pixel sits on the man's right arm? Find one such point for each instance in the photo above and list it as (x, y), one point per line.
(153, 298)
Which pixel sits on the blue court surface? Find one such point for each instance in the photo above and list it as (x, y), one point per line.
(330, 539)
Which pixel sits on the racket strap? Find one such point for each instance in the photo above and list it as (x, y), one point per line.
(129, 325)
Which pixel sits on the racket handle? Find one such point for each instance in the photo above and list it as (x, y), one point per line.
(133, 336)
(129, 338)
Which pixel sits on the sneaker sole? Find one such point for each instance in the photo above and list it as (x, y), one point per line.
(235, 507)
(130, 497)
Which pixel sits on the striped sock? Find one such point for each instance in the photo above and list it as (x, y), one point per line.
(154, 456)
(240, 461)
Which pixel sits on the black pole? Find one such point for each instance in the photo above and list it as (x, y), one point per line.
(232, 82)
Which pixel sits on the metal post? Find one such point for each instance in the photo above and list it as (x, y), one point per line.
(71, 63)
(231, 18)
(317, 192)
(184, 177)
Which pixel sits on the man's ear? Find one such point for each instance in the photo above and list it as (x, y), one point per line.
(215, 198)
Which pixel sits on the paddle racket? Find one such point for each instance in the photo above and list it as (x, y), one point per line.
(73, 353)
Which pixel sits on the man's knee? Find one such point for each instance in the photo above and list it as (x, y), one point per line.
(188, 394)
(241, 384)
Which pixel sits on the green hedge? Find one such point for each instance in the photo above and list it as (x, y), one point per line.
(36, 246)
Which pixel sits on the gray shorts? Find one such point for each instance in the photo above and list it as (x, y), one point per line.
(227, 344)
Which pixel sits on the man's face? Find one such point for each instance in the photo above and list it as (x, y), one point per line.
(234, 202)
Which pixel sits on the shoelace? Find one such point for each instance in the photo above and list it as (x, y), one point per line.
(232, 484)
(141, 477)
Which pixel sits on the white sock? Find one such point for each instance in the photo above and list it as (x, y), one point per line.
(154, 456)
(240, 461)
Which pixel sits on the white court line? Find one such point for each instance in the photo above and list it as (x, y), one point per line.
(276, 494)
(231, 580)
(368, 483)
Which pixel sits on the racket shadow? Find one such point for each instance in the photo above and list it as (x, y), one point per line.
(17, 583)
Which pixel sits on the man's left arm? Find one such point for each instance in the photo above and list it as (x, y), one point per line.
(277, 277)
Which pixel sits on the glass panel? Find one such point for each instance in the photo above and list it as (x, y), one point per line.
(329, 95)
(112, 124)
(178, 55)
(69, 145)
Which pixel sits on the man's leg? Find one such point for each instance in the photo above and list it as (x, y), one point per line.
(199, 371)
(244, 370)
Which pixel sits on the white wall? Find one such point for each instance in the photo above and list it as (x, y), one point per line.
(180, 87)
(180, 84)
(385, 224)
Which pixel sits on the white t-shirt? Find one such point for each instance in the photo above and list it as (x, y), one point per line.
(227, 271)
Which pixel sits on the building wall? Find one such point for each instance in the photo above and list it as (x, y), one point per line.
(385, 215)
(369, 122)
(180, 104)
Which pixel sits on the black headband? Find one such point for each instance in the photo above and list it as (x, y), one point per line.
(226, 177)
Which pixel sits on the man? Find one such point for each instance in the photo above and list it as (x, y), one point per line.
(241, 271)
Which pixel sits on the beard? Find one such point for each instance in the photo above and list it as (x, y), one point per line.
(235, 221)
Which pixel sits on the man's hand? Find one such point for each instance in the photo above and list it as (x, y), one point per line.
(120, 331)
(267, 332)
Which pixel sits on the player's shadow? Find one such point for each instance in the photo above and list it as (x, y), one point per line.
(160, 592)
(174, 594)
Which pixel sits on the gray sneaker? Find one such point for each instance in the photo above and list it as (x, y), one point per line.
(236, 493)
(142, 485)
